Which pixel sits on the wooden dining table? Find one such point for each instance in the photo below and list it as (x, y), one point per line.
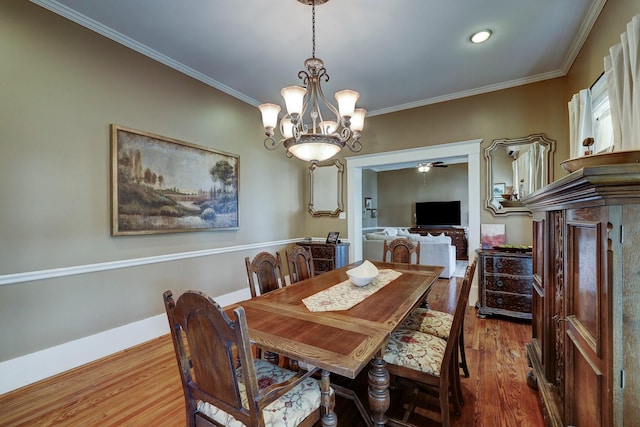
(339, 342)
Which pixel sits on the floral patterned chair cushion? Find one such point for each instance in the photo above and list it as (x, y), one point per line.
(288, 411)
(415, 350)
(430, 322)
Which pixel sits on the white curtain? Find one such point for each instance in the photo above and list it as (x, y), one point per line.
(580, 125)
(529, 171)
(622, 70)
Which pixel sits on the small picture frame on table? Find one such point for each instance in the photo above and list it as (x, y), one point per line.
(332, 237)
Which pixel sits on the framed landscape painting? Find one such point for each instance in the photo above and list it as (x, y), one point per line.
(162, 185)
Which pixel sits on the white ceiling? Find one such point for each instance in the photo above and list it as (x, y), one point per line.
(398, 54)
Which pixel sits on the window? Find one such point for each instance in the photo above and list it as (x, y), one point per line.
(601, 117)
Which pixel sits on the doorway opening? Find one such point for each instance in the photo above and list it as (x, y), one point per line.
(460, 152)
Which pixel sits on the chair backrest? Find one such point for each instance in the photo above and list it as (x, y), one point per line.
(458, 317)
(209, 348)
(400, 250)
(472, 270)
(267, 270)
(300, 263)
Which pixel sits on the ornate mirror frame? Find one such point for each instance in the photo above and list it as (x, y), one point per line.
(325, 189)
(503, 157)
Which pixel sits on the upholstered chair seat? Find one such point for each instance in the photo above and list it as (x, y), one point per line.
(439, 323)
(429, 321)
(430, 361)
(416, 350)
(288, 411)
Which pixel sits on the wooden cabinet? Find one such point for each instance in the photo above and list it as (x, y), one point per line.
(327, 256)
(585, 348)
(458, 238)
(504, 284)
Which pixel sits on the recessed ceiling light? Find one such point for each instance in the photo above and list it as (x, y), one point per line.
(481, 36)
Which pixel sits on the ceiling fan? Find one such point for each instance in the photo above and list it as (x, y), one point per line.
(424, 167)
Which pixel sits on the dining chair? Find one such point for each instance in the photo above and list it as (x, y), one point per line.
(401, 250)
(430, 361)
(439, 323)
(223, 385)
(264, 273)
(300, 263)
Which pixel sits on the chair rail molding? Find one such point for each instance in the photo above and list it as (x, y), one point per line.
(29, 276)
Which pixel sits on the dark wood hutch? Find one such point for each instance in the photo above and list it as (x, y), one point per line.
(327, 256)
(585, 352)
(504, 284)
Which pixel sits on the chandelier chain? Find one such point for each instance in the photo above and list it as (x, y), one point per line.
(313, 29)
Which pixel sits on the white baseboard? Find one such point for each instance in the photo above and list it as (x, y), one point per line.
(30, 368)
(473, 295)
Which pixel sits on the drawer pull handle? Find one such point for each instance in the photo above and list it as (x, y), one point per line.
(498, 264)
(499, 283)
(499, 301)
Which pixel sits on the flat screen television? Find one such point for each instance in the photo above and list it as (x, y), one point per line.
(438, 214)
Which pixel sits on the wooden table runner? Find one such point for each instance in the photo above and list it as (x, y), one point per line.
(345, 294)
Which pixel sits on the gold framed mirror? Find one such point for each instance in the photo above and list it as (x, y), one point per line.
(515, 168)
(325, 189)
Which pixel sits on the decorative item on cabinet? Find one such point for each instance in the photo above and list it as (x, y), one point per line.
(332, 237)
(492, 235)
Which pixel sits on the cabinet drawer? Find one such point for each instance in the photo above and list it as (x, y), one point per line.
(322, 252)
(512, 302)
(515, 285)
(323, 265)
(505, 265)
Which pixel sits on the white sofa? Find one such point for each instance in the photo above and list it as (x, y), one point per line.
(434, 250)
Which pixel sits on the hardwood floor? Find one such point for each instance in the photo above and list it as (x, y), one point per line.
(141, 387)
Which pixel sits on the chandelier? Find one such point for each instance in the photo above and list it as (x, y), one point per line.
(314, 138)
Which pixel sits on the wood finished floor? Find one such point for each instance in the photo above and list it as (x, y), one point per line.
(141, 387)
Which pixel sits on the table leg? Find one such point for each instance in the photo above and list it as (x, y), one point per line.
(328, 401)
(379, 399)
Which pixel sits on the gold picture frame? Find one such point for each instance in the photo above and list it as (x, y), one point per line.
(163, 185)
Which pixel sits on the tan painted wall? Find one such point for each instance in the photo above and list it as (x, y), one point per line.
(61, 87)
(399, 190)
(510, 113)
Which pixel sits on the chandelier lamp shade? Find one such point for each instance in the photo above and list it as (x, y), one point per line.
(313, 129)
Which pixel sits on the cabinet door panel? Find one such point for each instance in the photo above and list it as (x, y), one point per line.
(583, 404)
(585, 271)
(539, 327)
(586, 320)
